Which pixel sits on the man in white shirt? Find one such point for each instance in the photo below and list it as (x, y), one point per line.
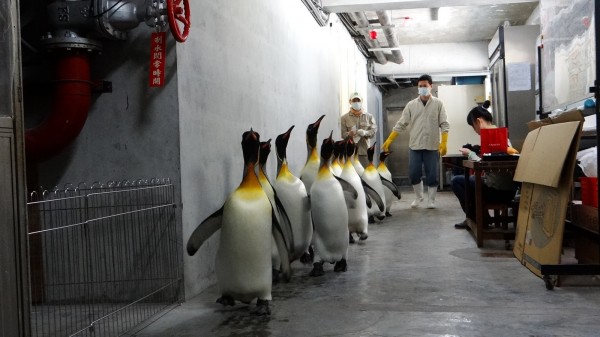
(427, 119)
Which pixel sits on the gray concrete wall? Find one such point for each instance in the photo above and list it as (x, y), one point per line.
(131, 133)
(260, 64)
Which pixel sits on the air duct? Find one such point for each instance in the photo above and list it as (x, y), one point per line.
(362, 22)
(390, 35)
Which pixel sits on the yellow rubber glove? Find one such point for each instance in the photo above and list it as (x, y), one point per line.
(512, 150)
(389, 140)
(444, 144)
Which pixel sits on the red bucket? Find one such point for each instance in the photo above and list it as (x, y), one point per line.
(589, 191)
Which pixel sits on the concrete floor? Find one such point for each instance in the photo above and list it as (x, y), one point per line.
(415, 276)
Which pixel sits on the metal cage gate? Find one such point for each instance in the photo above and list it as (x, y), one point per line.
(103, 259)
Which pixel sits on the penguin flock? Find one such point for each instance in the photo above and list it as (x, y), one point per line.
(265, 225)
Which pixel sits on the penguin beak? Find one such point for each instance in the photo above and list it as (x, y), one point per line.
(266, 145)
(318, 122)
(287, 134)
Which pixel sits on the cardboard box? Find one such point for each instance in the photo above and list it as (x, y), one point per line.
(546, 170)
(585, 234)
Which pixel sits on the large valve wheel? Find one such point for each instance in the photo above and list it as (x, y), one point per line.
(178, 12)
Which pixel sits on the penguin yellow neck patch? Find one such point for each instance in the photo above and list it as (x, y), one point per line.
(324, 172)
(284, 172)
(313, 155)
(250, 180)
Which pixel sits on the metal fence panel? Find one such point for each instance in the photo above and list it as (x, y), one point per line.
(104, 258)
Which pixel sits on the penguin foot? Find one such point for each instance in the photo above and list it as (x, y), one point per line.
(341, 266)
(317, 269)
(351, 239)
(306, 258)
(388, 214)
(371, 219)
(262, 308)
(380, 217)
(226, 300)
(275, 276)
(363, 236)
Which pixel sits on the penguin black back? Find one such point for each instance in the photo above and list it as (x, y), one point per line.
(349, 148)
(250, 146)
(265, 150)
(383, 155)
(311, 132)
(281, 143)
(338, 148)
(327, 149)
(371, 152)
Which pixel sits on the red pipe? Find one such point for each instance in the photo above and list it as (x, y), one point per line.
(72, 100)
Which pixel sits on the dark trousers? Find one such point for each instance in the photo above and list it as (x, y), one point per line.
(459, 187)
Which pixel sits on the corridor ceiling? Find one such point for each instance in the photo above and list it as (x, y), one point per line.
(433, 21)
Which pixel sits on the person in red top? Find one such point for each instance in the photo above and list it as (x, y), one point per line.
(497, 186)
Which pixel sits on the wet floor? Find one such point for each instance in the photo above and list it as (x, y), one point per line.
(414, 276)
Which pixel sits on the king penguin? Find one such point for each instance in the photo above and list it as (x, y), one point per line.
(294, 198)
(330, 218)
(247, 223)
(309, 171)
(279, 209)
(386, 174)
(336, 164)
(357, 212)
(357, 164)
(373, 179)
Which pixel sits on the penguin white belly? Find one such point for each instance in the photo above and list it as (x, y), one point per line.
(330, 220)
(385, 173)
(309, 173)
(243, 263)
(371, 177)
(293, 197)
(358, 167)
(357, 213)
(336, 170)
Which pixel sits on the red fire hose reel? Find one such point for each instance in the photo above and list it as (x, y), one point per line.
(178, 12)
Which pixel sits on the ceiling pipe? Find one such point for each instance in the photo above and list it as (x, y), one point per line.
(390, 34)
(72, 100)
(361, 20)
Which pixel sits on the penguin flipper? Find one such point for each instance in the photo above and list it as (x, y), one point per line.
(350, 193)
(368, 200)
(282, 248)
(374, 196)
(391, 186)
(283, 221)
(204, 231)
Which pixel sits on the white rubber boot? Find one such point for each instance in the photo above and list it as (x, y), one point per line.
(431, 191)
(418, 188)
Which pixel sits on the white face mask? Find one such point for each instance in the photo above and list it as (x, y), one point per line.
(356, 106)
(424, 91)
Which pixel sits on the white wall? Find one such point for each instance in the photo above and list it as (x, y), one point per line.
(458, 101)
(260, 64)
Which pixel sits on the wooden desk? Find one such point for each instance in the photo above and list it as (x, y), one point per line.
(478, 227)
